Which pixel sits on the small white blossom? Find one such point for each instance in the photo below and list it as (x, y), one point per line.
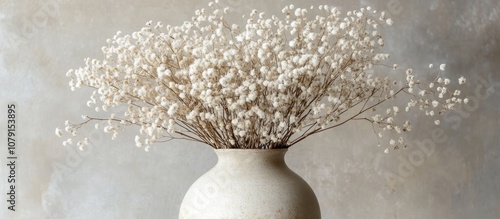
(435, 103)
(442, 67)
(461, 80)
(59, 132)
(389, 22)
(395, 109)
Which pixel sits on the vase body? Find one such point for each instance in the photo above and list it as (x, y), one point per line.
(250, 184)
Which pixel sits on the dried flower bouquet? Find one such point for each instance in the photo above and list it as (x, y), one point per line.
(268, 84)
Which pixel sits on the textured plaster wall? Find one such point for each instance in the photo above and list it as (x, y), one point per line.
(455, 175)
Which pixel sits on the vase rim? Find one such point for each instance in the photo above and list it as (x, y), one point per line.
(251, 152)
(250, 149)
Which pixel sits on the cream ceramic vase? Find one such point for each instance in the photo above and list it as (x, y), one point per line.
(250, 184)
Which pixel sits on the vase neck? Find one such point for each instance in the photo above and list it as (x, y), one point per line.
(270, 157)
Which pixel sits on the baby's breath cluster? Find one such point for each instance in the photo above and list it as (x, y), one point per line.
(270, 83)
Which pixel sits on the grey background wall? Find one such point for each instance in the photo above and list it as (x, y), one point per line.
(451, 171)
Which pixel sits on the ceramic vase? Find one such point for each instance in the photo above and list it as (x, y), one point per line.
(250, 184)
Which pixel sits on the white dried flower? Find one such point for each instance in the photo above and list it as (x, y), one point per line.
(435, 103)
(389, 22)
(442, 67)
(59, 132)
(461, 80)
